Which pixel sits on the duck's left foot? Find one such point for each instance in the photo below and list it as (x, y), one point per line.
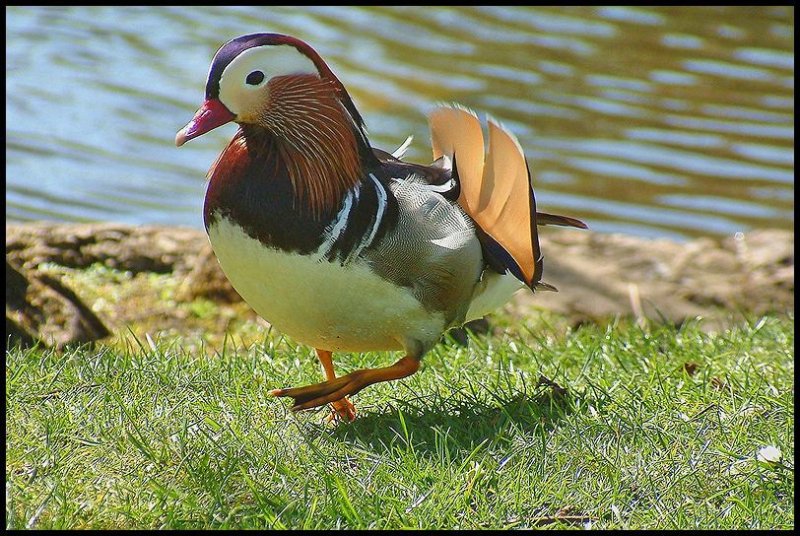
(331, 391)
(335, 390)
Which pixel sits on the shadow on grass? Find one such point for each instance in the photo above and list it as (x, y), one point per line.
(460, 421)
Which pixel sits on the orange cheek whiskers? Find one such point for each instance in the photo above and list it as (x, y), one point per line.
(318, 145)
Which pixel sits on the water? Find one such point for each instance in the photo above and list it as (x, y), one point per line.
(661, 122)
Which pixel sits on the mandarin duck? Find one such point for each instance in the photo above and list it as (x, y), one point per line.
(348, 248)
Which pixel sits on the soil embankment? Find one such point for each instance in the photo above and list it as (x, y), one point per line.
(599, 276)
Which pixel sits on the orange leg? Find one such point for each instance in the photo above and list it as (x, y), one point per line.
(336, 389)
(343, 408)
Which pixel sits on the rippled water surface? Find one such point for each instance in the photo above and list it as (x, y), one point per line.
(673, 122)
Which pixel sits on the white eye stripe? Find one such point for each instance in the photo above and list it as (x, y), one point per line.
(271, 60)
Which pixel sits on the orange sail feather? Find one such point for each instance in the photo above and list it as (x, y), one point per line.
(496, 191)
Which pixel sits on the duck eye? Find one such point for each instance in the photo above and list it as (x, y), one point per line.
(255, 78)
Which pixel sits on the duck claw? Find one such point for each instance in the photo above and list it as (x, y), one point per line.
(342, 410)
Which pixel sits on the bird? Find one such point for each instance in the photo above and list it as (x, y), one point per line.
(349, 248)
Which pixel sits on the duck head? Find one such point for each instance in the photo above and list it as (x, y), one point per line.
(287, 99)
(267, 80)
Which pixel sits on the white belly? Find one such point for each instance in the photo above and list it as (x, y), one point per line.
(318, 303)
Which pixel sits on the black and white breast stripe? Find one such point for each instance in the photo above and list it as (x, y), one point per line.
(383, 200)
(367, 211)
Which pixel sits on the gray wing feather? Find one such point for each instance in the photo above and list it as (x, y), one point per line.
(433, 250)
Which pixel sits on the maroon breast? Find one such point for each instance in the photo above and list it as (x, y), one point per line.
(250, 185)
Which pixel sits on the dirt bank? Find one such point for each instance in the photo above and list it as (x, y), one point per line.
(142, 271)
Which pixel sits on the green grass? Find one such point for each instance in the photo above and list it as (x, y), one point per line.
(640, 428)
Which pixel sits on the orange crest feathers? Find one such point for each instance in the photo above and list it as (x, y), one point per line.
(320, 147)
